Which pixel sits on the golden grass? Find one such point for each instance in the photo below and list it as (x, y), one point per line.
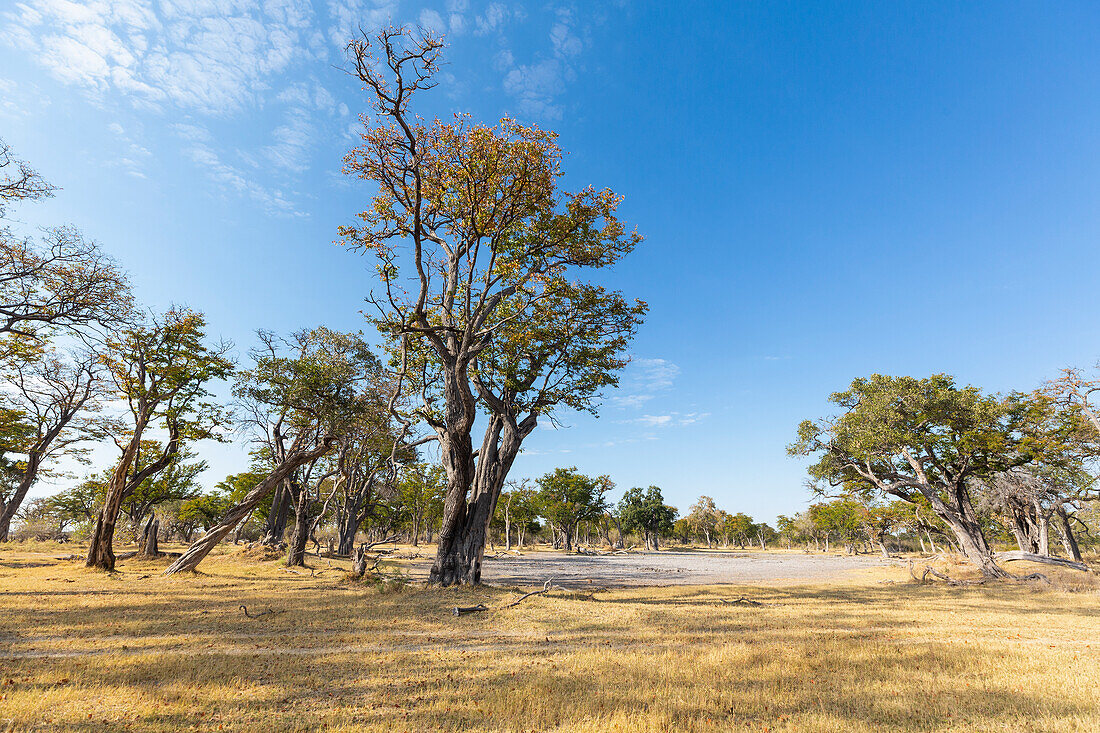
(85, 651)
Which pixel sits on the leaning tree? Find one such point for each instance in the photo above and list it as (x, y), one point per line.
(913, 438)
(161, 372)
(299, 397)
(478, 252)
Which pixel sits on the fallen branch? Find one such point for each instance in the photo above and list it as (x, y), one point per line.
(545, 589)
(268, 612)
(1048, 560)
(742, 601)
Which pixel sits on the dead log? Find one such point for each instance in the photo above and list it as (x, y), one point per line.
(1046, 559)
(462, 611)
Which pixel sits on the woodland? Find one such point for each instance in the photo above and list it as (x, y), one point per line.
(486, 317)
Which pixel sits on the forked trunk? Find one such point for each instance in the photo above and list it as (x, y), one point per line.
(275, 526)
(471, 498)
(963, 522)
(149, 542)
(296, 552)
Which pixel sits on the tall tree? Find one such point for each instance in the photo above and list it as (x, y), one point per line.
(161, 372)
(926, 438)
(703, 518)
(496, 322)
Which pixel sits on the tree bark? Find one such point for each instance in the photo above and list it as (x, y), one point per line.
(472, 493)
(1068, 538)
(150, 546)
(296, 552)
(1046, 559)
(30, 474)
(100, 551)
(275, 526)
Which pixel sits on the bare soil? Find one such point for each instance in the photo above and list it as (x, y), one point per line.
(666, 568)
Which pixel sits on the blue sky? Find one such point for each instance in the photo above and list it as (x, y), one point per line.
(826, 190)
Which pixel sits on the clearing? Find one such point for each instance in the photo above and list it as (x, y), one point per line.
(866, 651)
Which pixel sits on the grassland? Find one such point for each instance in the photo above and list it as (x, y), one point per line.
(84, 651)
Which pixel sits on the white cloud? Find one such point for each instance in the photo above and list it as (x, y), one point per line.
(116, 128)
(194, 133)
(292, 140)
(236, 180)
(535, 87)
(643, 379)
(432, 20)
(211, 57)
(491, 19)
(566, 44)
(654, 421)
(350, 15)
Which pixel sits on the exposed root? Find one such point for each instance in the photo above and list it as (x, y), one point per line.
(930, 571)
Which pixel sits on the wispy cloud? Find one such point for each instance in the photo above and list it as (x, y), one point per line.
(644, 379)
(491, 20)
(230, 177)
(672, 419)
(192, 54)
(537, 85)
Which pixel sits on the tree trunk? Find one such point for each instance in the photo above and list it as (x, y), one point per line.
(30, 474)
(275, 526)
(149, 543)
(100, 551)
(1068, 538)
(964, 524)
(144, 536)
(202, 546)
(1044, 532)
(471, 498)
(296, 552)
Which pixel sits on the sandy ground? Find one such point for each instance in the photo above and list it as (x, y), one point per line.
(666, 568)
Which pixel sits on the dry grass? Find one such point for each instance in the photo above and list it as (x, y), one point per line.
(82, 650)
